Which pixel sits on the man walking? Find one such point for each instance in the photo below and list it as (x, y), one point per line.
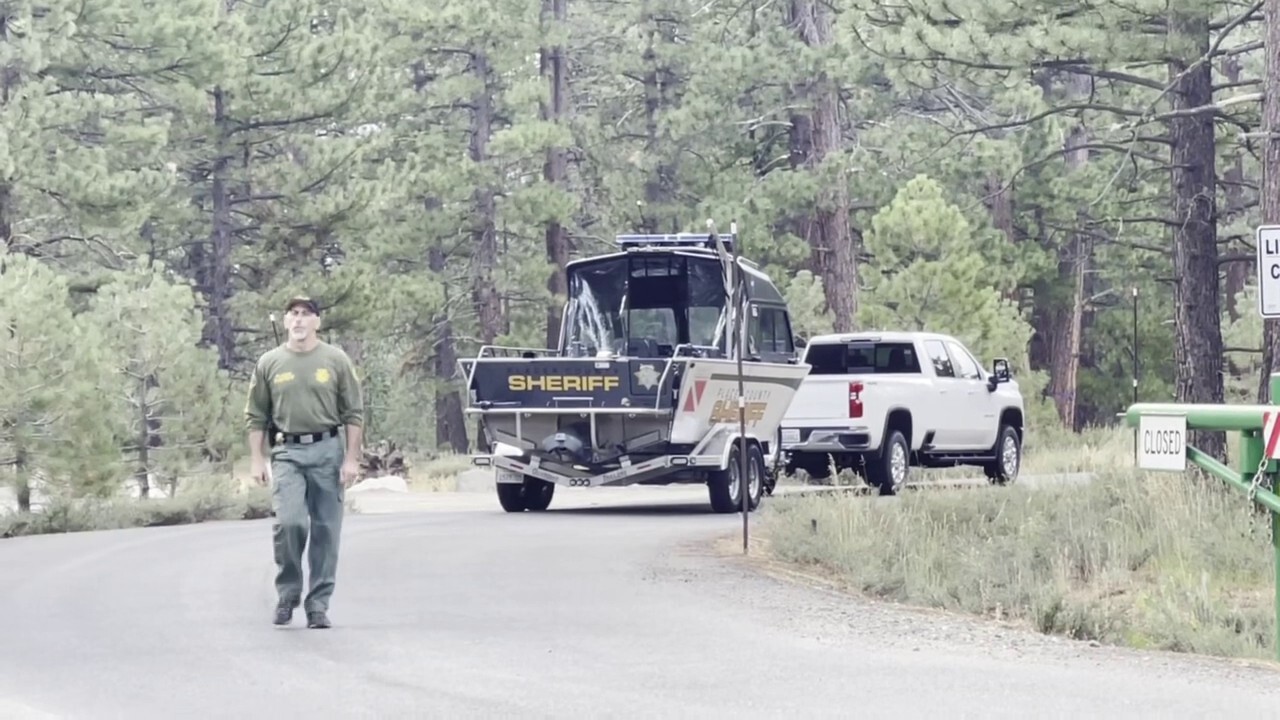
(308, 390)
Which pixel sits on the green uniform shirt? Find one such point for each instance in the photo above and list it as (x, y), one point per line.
(304, 392)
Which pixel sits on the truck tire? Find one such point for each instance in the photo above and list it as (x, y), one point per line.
(816, 465)
(889, 471)
(1008, 451)
(533, 494)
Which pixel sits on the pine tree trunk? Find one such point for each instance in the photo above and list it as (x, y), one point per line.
(660, 213)
(999, 204)
(555, 110)
(1073, 265)
(1059, 316)
(213, 266)
(143, 471)
(1197, 307)
(484, 291)
(1237, 273)
(451, 423)
(816, 136)
(22, 480)
(1270, 178)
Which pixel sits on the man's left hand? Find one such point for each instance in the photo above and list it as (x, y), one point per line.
(350, 471)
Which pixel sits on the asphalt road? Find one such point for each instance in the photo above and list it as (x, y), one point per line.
(464, 611)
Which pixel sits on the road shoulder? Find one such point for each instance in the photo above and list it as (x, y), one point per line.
(810, 602)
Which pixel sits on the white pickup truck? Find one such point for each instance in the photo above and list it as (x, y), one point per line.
(880, 402)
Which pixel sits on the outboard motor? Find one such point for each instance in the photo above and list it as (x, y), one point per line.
(570, 445)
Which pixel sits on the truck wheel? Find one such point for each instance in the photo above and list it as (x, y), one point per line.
(772, 472)
(889, 471)
(815, 464)
(1004, 469)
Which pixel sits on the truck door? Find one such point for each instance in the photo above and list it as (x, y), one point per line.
(980, 426)
(949, 397)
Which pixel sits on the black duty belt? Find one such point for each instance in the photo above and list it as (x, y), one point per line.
(306, 438)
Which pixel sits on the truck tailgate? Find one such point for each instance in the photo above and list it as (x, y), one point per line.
(820, 400)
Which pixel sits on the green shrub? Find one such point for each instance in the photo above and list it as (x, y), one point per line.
(198, 502)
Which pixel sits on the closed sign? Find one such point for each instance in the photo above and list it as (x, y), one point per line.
(1162, 442)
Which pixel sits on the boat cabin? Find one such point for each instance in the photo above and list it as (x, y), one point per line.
(667, 292)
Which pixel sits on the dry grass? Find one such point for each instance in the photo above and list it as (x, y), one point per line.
(203, 501)
(439, 474)
(1152, 560)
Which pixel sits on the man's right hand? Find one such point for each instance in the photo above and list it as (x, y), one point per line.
(258, 470)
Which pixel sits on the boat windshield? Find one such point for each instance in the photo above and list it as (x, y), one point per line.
(643, 306)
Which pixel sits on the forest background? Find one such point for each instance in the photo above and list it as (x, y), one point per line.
(1039, 179)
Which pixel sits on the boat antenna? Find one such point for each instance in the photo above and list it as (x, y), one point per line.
(739, 304)
(737, 299)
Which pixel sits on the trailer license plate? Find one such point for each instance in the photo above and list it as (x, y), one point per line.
(506, 476)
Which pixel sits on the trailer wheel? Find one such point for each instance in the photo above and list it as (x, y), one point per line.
(511, 497)
(533, 494)
(725, 489)
(757, 475)
(720, 485)
(538, 494)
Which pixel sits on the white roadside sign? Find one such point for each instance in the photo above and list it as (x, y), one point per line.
(1162, 442)
(1267, 238)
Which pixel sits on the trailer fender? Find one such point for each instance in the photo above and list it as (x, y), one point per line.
(731, 441)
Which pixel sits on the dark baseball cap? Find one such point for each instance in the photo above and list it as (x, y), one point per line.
(297, 300)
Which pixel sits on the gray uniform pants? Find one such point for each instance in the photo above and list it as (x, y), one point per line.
(307, 497)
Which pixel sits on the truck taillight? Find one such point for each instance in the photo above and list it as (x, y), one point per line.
(855, 399)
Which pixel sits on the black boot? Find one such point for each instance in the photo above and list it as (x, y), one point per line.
(317, 619)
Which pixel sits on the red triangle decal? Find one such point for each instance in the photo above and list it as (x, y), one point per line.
(695, 395)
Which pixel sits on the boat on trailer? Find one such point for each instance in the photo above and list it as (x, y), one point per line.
(644, 387)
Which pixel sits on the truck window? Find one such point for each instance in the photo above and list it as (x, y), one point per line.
(966, 366)
(938, 356)
(862, 358)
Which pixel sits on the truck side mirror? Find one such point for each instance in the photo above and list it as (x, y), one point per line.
(1000, 370)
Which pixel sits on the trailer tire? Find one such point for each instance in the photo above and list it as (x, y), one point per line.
(511, 497)
(757, 475)
(538, 494)
(720, 483)
(533, 494)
